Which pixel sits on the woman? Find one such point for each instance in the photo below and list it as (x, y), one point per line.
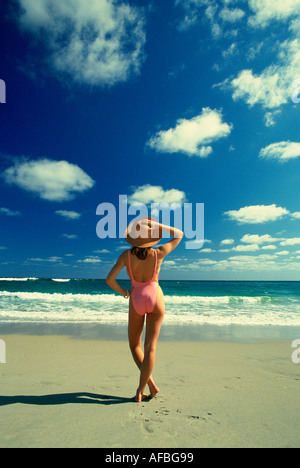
(143, 264)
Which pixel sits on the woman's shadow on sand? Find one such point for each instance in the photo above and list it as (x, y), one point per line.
(64, 398)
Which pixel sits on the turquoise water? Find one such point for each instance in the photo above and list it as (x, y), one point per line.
(33, 300)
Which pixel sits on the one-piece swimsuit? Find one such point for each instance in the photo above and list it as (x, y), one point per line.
(144, 295)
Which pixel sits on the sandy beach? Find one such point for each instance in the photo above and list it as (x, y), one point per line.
(58, 391)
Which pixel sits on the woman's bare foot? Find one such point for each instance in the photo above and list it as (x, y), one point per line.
(153, 390)
(140, 396)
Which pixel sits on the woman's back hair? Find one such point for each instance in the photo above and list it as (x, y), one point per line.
(141, 253)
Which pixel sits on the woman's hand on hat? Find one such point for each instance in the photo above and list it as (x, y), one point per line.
(150, 223)
(144, 223)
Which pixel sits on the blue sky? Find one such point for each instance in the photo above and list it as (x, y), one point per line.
(194, 100)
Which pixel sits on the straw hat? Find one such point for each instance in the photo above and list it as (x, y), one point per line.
(140, 235)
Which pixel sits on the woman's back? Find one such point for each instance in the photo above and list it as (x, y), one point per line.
(143, 270)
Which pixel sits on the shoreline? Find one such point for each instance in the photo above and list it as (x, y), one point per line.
(169, 332)
(68, 392)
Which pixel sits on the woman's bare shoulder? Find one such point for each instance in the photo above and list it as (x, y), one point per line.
(123, 257)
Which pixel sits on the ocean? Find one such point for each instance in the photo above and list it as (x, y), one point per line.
(77, 301)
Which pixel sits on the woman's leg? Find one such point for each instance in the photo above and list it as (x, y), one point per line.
(135, 331)
(153, 326)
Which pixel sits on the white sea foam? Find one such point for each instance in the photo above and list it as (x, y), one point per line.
(192, 300)
(110, 308)
(216, 300)
(58, 280)
(19, 279)
(58, 297)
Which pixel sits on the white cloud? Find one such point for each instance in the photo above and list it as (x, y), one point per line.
(292, 241)
(273, 86)
(256, 263)
(296, 215)
(266, 11)
(283, 252)
(270, 117)
(206, 261)
(197, 244)
(230, 51)
(99, 42)
(259, 89)
(155, 194)
(227, 242)
(170, 263)
(70, 236)
(192, 137)
(50, 180)
(252, 259)
(282, 151)
(8, 212)
(49, 260)
(270, 87)
(257, 214)
(254, 242)
(262, 262)
(211, 14)
(254, 50)
(68, 214)
(215, 13)
(257, 239)
(246, 248)
(91, 259)
(192, 10)
(232, 15)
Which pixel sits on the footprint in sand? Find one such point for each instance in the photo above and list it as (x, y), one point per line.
(207, 418)
(197, 417)
(152, 426)
(163, 411)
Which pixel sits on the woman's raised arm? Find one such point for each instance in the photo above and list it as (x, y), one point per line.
(177, 234)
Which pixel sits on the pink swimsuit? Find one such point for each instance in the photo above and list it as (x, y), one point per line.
(144, 294)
